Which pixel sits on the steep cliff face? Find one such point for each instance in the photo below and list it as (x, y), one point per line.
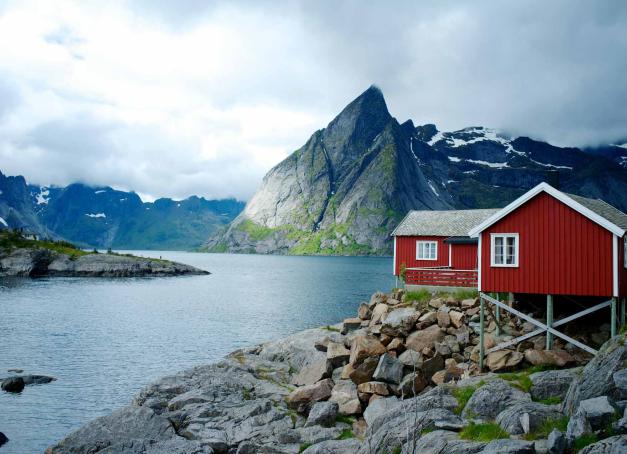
(342, 192)
(345, 190)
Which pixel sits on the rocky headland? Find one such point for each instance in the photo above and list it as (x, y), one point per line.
(400, 377)
(24, 257)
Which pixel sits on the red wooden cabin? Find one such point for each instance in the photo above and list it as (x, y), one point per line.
(552, 243)
(432, 248)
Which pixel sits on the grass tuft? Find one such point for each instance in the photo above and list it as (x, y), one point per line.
(581, 442)
(463, 395)
(547, 427)
(553, 400)
(304, 446)
(345, 419)
(346, 434)
(483, 432)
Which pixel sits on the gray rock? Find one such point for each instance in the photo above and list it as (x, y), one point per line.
(129, 424)
(389, 370)
(578, 425)
(319, 434)
(349, 446)
(337, 354)
(599, 411)
(411, 360)
(412, 384)
(510, 419)
(313, 373)
(345, 395)
(379, 407)
(620, 382)
(611, 445)
(176, 445)
(491, 399)
(551, 383)
(400, 322)
(556, 442)
(322, 414)
(442, 441)
(596, 379)
(509, 447)
(13, 384)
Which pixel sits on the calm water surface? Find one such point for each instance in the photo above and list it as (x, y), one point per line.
(105, 339)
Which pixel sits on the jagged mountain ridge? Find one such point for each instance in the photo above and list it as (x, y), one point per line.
(103, 217)
(345, 190)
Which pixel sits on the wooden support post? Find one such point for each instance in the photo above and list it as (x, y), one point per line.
(497, 315)
(549, 321)
(613, 317)
(481, 333)
(622, 312)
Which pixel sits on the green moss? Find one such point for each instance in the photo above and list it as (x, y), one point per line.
(221, 247)
(547, 427)
(483, 432)
(550, 400)
(331, 328)
(346, 434)
(581, 442)
(304, 446)
(463, 395)
(255, 231)
(246, 394)
(345, 419)
(10, 240)
(419, 296)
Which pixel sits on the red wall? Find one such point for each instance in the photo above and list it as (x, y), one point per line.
(464, 255)
(561, 252)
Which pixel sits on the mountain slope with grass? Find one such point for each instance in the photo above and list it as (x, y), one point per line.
(346, 189)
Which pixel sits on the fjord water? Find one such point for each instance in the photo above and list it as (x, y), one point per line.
(105, 339)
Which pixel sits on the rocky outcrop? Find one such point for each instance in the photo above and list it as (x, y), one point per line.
(16, 383)
(350, 184)
(38, 262)
(248, 402)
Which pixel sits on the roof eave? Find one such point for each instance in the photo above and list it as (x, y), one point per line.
(544, 187)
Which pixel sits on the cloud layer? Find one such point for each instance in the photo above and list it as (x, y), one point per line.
(192, 97)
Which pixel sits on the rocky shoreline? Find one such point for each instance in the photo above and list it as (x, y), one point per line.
(42, 262)
(399, 378)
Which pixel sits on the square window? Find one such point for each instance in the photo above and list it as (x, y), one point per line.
(426, 250)
(504, 249)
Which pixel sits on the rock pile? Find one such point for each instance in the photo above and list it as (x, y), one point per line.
(400, 377)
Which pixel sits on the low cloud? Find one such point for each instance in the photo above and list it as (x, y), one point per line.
(204, 98)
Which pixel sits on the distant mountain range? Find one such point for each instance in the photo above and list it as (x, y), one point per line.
(103, 217)
(345, 190)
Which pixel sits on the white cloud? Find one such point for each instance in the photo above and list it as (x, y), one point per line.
(193, 97)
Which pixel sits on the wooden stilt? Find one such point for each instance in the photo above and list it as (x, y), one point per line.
(613, 317)
(481, 333)
(549, 321)
(622, 312)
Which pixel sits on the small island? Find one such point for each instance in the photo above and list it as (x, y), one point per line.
(26, 256)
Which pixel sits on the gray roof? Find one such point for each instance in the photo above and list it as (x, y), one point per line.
(441, 223)
(603, 209)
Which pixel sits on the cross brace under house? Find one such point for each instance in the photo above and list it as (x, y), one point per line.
(548, 327)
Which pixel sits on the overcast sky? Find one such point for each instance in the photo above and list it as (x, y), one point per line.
(173, 98)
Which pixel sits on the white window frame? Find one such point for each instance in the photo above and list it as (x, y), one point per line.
(432, 244)
(493, 237)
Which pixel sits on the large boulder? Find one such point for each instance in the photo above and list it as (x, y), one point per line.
(126, 425)
(301, 399)
(379, 407)
(313, 373)
(444, 441)
(322, 414)
(551, 383)
(411, 359)
(491, 399)
(379, 313)
(364, 371)
(345, 395)
(599, 411)
(418, 340)
(557, 357)
(597, 379)
(337, 354)
(611, 445)
(364, 346)
(537, 414)
(389, 370)
(400, 322)
(509, 447)
(13, 384)
(578, 425)
(349, 446)
(620, 382)
(503, 360)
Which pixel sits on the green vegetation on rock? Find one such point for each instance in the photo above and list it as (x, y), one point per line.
(483, 432)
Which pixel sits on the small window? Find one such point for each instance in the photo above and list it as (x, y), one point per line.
(426, 250)
(505, 249)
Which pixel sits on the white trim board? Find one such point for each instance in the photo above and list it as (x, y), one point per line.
(544, 187)
(615, 265)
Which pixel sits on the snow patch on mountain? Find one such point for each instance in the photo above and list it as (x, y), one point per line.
(43, 197)
(3, 222)
(96, 215)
